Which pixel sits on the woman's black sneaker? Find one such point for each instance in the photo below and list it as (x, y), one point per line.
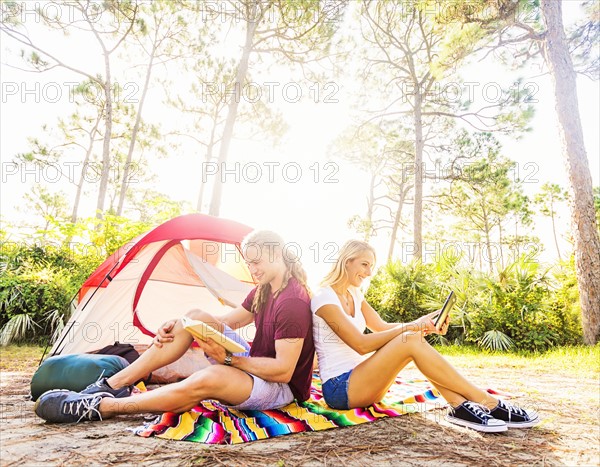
(476, 417)
(515, 417)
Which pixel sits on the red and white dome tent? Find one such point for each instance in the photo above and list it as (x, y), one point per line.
(191, 261)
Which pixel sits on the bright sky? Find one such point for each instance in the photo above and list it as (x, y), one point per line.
(298, 191)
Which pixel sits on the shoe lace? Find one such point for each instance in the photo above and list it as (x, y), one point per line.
(97, 383)
(88, 404)
(513, 409)
(480, 410)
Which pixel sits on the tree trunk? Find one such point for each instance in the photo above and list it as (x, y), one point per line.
(517, 243)
(209, 155)
(86, 161)
(488, 243)
(105, 171)
(554, 225)
(370, 207)
(418, 206)
(583, 216)
(397, 217)
(134, 133)
(208, 158)
(500, 245)
(240, 77)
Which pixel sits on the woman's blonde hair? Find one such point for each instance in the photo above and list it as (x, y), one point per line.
(266, 239)
(349, 251)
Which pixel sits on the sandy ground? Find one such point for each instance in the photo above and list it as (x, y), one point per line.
(568, 435)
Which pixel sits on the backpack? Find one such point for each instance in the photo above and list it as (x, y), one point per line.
(127, 351)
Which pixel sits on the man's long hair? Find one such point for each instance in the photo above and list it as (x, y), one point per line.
(269, 242)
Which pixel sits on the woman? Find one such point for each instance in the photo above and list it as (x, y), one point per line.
(357, 369)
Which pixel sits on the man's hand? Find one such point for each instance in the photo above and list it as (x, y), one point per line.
(164, 333)
(212, 349)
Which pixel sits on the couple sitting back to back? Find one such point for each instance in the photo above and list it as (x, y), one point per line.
(356, 369)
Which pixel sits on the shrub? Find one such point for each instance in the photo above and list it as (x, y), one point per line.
(397, 291)
(522, 307)
(37, 285)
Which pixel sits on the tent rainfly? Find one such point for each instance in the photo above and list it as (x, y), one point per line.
(191, 261)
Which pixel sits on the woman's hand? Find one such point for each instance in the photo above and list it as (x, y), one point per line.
(444, 327)
(426, 324)
(164, 333)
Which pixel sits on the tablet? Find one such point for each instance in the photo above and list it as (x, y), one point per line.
(441, 318)
(203, 331)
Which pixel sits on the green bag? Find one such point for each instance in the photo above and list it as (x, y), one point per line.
(74, 372)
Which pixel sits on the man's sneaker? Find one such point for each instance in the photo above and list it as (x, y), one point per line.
(102, 386)
(62, 406)
(515, 417)
(475, 416)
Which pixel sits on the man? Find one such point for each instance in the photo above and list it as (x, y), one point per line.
(276, 371)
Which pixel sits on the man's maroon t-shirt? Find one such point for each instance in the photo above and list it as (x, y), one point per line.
(288, 316)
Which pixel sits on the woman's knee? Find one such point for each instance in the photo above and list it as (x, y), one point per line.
(412, 339)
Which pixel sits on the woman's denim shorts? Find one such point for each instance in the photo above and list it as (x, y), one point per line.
(335, 391)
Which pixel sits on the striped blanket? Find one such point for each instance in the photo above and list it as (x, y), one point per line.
(214, 423)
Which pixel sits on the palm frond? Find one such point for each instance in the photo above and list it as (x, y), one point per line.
(56, 318)
(438, 339)
(496, 340)
(17, 328)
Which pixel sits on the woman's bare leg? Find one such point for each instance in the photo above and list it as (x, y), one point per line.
(372, 378)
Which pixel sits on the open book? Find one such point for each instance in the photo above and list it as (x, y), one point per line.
(203, 331)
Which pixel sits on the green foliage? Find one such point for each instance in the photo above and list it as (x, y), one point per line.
(496, 340)
(564, 301)
(398, 291)
(37, 285)
(38, 282)
(17, 329)
(522, 307)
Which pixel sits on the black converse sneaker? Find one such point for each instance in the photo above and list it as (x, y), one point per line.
(476, 417)
(515, 417)
(102, 386)
(62, 406)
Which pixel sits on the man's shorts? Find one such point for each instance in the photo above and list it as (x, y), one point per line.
(265, 395)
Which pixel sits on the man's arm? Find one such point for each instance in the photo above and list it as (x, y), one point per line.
(237, 318)
(278, 370)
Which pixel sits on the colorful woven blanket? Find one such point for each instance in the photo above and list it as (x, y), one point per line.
(214, 423)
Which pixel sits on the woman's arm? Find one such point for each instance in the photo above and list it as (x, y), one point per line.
(376, 324)
(362, 343)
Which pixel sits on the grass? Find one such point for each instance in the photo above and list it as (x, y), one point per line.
(20, 357)
(578, 361)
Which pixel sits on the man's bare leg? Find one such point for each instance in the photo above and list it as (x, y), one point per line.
(156, 357)
(226, 384)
